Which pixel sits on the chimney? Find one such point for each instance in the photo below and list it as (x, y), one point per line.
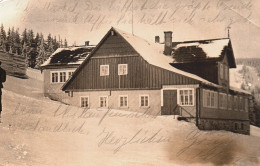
(157, 39)
(168, 43)
(86, 43)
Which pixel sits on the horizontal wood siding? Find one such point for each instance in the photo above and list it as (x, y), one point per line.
(141, 75)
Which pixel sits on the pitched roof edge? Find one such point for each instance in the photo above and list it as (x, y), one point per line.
(64, 86)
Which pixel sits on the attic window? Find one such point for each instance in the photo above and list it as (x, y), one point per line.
(112, 33)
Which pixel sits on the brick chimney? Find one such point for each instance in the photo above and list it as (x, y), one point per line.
(86, 43)
(168, 43)
(157, 39)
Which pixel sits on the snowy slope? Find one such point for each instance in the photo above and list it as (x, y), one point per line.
(248, 77)
(38, 131)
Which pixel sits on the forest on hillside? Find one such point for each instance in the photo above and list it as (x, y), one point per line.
(31, 45)
(253, 62)
(254, 115)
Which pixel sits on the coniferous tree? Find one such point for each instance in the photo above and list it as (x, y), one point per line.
(24, 50)
(17, 42)
(41, 57)
(24, 36)
(30, 38)
(32, 51)
(2, 38)
(8, 40)
(61, 44)
(12, 41)
(65, 43)
(50, 44)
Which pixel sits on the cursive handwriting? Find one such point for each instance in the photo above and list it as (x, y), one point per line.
(142, 136)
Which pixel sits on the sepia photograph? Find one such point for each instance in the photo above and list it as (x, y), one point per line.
(129, 82)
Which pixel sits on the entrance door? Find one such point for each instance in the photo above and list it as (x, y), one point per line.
(170, 103)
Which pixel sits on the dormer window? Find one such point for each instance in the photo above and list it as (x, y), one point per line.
(104, 70)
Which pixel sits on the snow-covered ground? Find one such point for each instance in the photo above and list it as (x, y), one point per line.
(38, 131)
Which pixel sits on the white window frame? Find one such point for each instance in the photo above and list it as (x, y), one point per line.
(62, 76)
(119, 67)
(52, 72)
(59, 73)
(101, 73)
(81, 97)
(119, 103)
(179, 96)
(106, 101)
(148, 101)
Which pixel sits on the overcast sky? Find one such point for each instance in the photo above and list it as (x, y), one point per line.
(81, 20)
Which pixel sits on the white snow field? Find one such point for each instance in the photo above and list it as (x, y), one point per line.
(37, 131)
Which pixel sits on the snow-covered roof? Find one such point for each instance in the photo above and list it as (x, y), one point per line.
(153, 54)
(201, 50)
(212, 47)
(239, 90)
(68, 56)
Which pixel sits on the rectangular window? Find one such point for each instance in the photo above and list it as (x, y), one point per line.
(236, 126)
(186, 97)
(223, 101)
(54, 77)
(230, 102)
(62, 76)
(84, 102)
(210, 99)
(103, 101)
(122, 69)
(144, 101)
(246, 104)
(104, 70)
(241, 104)
(226, 72)
(123, 101)
(70, 74)
(235, 103)
(242, 126)
(221, 70)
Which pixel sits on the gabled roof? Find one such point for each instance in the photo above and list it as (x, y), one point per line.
(68, 56)
(203, 50)
(151, 52)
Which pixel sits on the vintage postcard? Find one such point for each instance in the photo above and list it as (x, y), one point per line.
(129, 82)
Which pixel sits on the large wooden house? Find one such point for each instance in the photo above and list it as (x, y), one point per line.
(59, 67)
(190, 79)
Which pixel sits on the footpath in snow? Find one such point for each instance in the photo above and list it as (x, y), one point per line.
(39, 131)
